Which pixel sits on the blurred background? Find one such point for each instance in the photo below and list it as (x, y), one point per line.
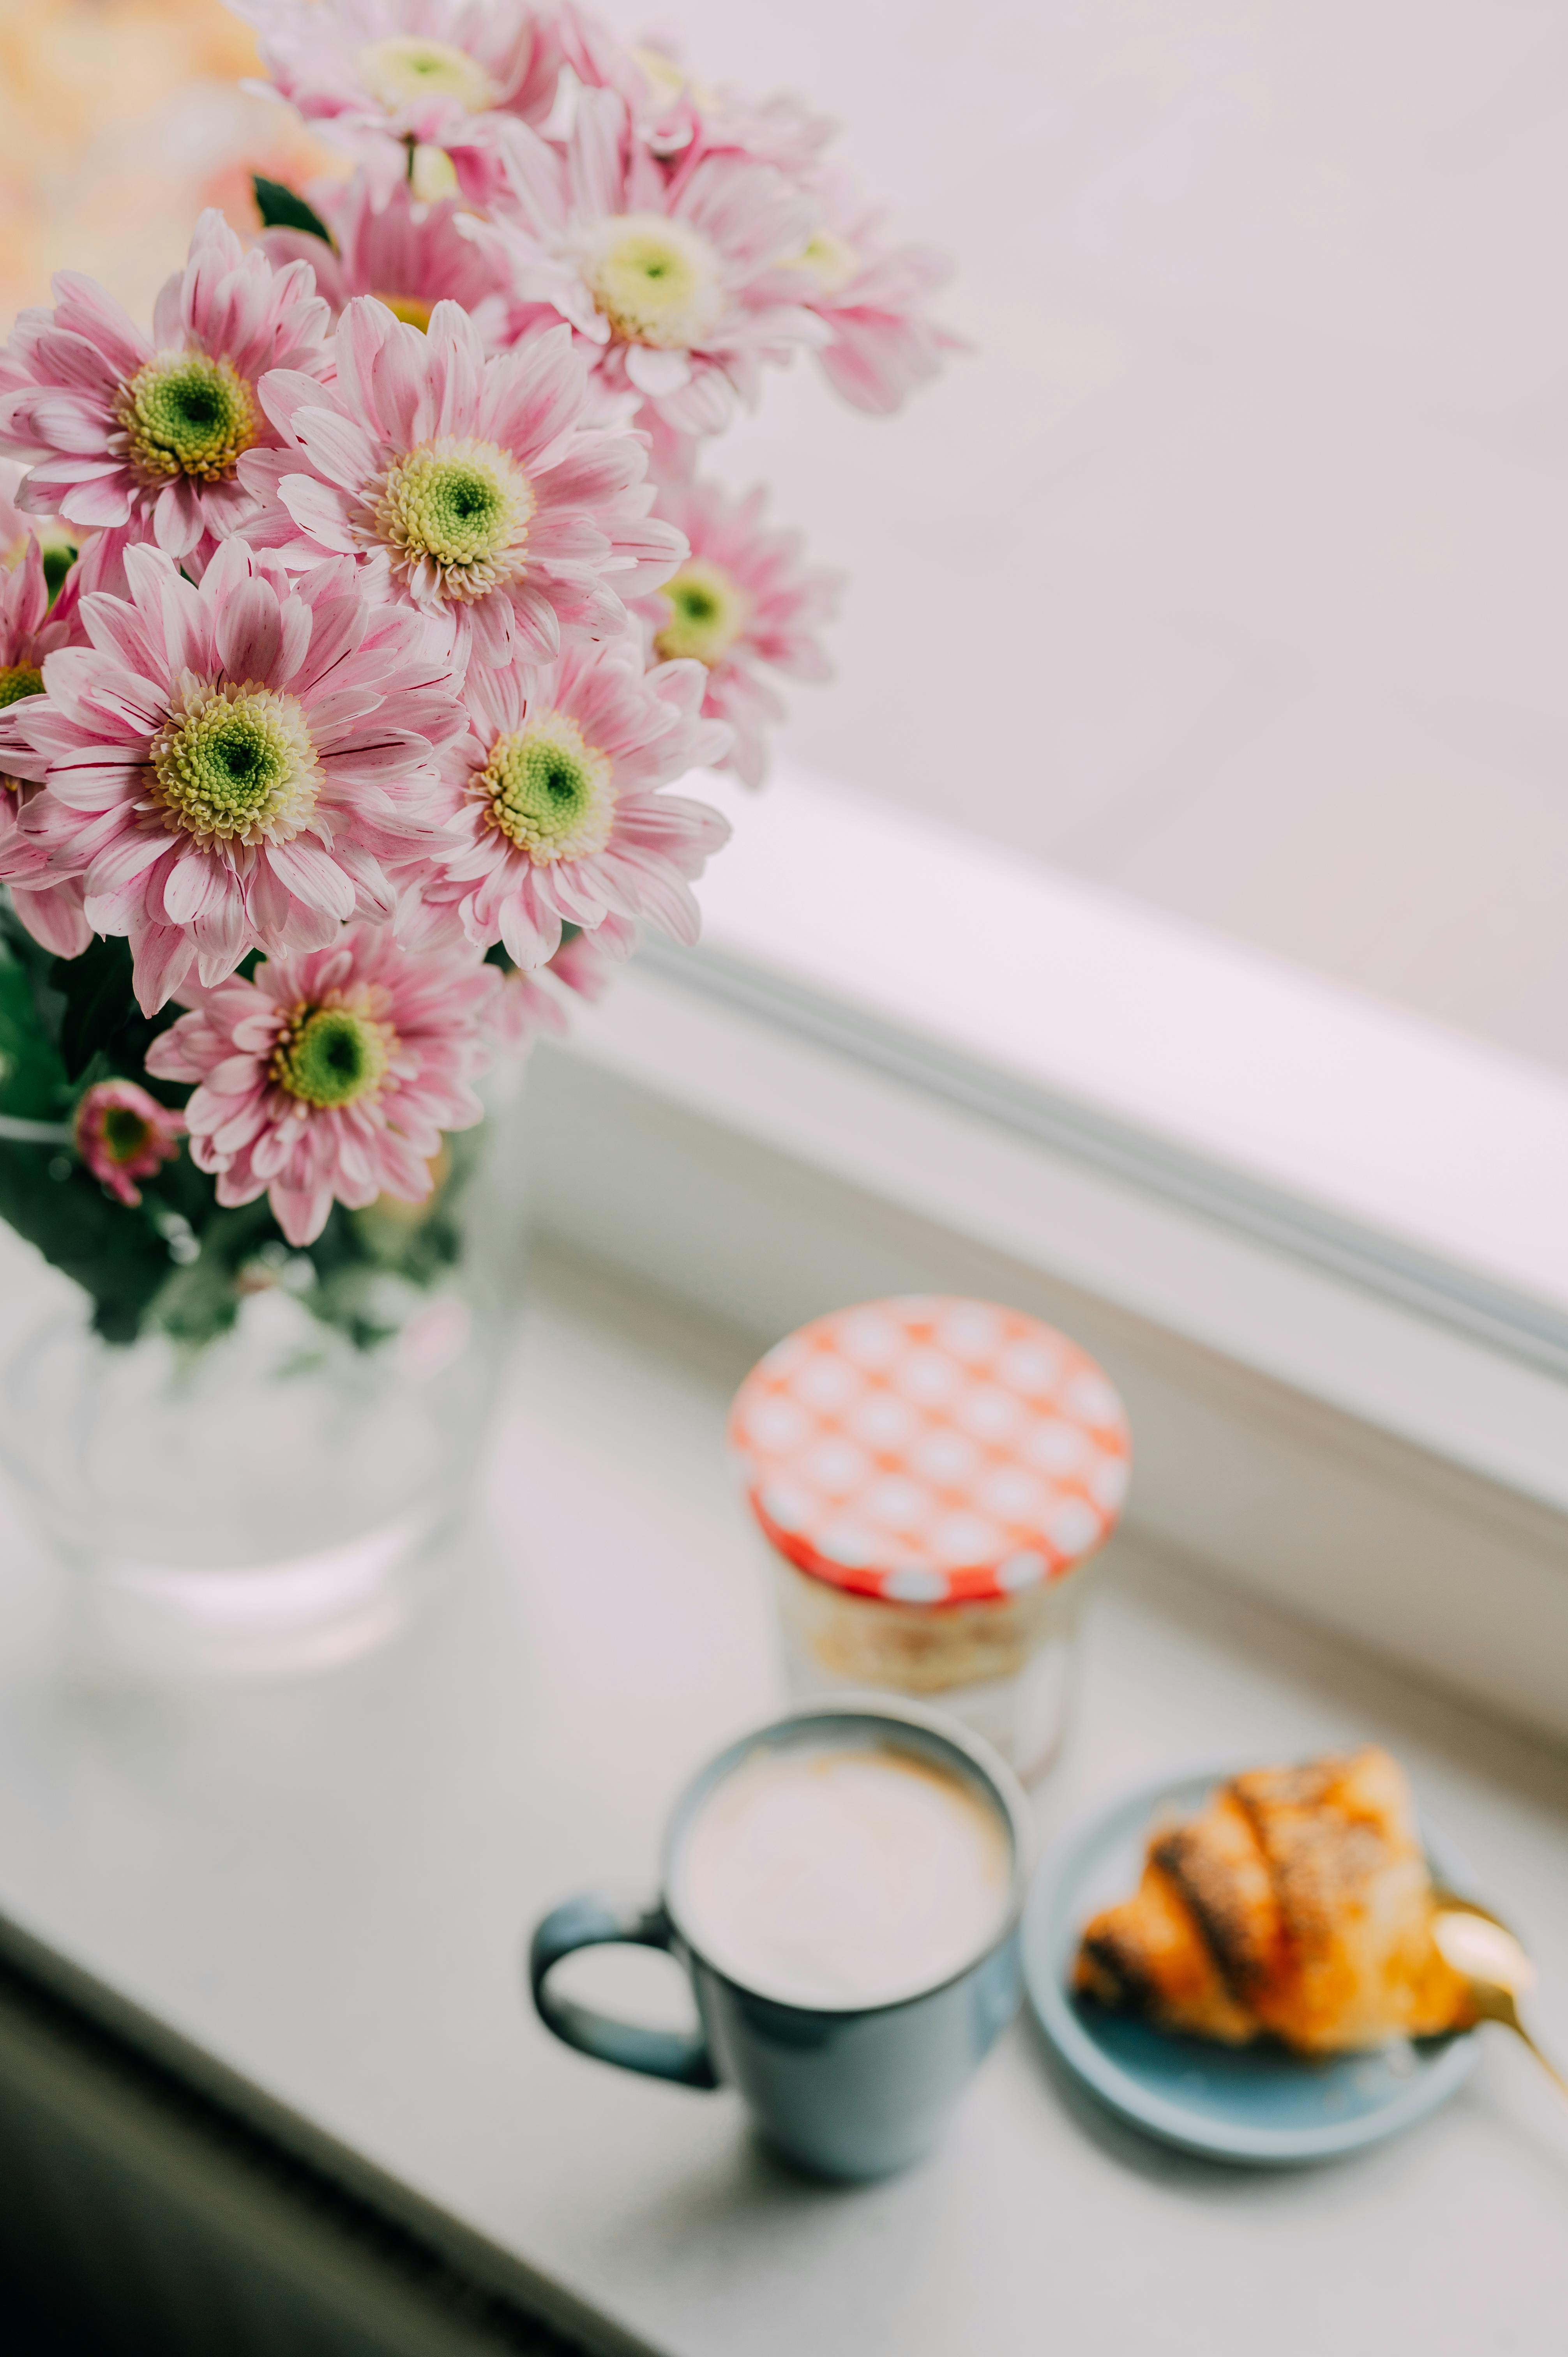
(1229, 572)
(119, 120)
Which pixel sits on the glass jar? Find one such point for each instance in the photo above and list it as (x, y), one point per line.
(931, 1476)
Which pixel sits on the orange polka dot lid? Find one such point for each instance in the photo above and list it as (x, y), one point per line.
(931, 1450)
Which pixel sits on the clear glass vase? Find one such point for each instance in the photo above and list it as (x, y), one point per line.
(271, 1502)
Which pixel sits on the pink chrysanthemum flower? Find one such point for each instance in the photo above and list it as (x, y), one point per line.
(16, 529)
(142, 436)
(583, 967)
(672, 281)
(465, 484)
(410, 255)
(673, 110)
(587, 965)
(556, 808)
(331, 1077)
(523, 1009)
(29, 634)
(57, 540)
(123, 1134)
(233, 766)
(742, 605)
(872, 299)
(380, 76)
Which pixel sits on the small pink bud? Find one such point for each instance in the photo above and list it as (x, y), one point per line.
(122, 1134)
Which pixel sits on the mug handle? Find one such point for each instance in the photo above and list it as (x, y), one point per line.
(588, 1922)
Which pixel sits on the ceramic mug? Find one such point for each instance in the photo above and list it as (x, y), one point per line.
(855, 2092)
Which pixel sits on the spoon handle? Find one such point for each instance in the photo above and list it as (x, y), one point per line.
(1514, 2023)
(1453, 1903)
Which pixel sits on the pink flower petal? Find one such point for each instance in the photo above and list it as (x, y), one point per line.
(336, 447)
(161, 957)
(312, 878)
(319, 513)
(249, 637)
(191, 885)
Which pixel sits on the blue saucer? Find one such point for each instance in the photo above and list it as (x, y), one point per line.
(1248, 2104)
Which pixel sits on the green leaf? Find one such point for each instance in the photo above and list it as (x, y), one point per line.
(57, 562)
(281, 207)
(32, 1077)
(97, 990)
(18, 948)
(110, 1248)
(102, 1017)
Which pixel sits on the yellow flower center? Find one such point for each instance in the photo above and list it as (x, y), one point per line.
(17, 680)
(549, 792)
(656, 281)
(668, 83)
(186, 414)
(459, 509)
(412, 309)
(431, 175)
(235, 765)
(664, 78)
(406, 67)
(831, 260)
(334, 1054)
(708, 611)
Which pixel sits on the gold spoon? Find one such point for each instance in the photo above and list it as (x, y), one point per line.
(1489, 1957)
(1456, 1902)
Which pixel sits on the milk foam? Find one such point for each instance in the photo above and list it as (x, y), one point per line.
(837, 1875)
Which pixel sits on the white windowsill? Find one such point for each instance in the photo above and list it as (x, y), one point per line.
(311, 1898)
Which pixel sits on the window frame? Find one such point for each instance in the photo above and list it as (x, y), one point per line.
(797, 1113)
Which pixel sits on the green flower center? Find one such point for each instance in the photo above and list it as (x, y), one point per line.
(186, 414)
(406, 67)
(457, 511)
(708, 611)
(235, 765)
(656, 281)
(549, 792)
(124, 1134)
(332, 1055)
(17, 680)
(832, 261)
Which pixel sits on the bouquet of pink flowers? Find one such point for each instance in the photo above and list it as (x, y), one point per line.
(361, 616)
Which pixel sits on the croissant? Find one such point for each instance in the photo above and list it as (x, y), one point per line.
(1297, 1905)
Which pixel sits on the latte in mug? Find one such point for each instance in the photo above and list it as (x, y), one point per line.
(842, 1889)
(843, 1875)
